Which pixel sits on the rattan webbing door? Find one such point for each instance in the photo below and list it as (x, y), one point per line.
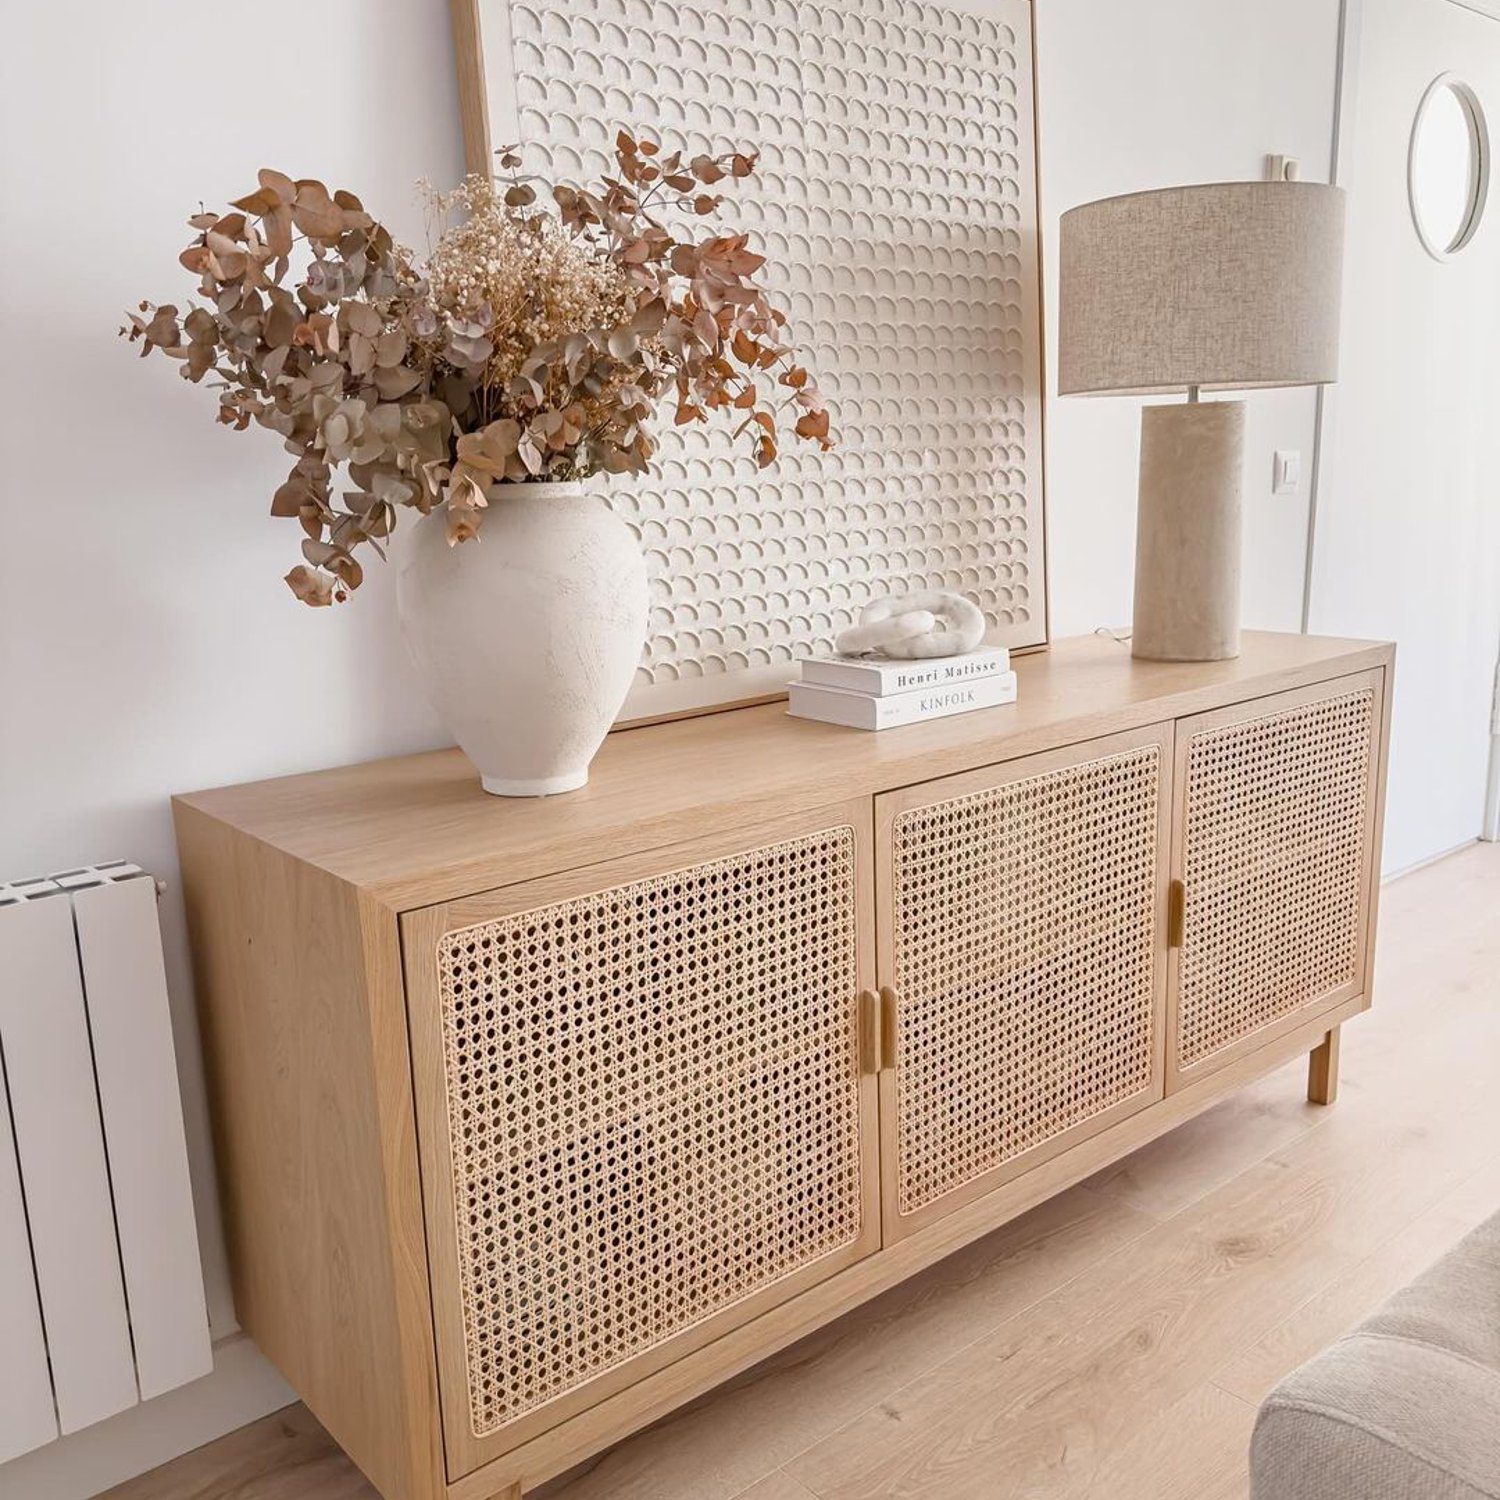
(1275, 846)
(642, 1110)
(1022, 947)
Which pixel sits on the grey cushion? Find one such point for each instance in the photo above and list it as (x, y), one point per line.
(1406, 1407)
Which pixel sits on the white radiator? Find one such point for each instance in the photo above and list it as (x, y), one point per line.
(101, 1286)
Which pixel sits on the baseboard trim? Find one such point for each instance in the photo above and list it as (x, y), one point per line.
(242, 1389)
(1391, 876)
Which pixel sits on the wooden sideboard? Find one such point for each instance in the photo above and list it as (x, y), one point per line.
(536, 1119)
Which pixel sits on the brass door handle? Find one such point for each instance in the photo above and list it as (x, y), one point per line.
(1176, 913)
(869, 1032)
(889, 1050)
(877, 1030)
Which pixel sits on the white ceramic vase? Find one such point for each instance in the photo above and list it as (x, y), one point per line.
(527, 637)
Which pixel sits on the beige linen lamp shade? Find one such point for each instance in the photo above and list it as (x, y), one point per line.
(1230, 285)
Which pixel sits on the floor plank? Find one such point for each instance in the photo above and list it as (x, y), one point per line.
(714, 1448)
(1115, 1341)
(1196, 1449)
(777, 1486)
(1336, 1308)
(1177, 1169)
(286, 1456)
(1041, 1406)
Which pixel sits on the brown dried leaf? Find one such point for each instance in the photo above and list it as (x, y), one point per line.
(360, 317)
(315, 213)
(280, 324)
(489, 450)
(391, 348)
(466, 502)
(319, 553)
(291, 497)
(623, 344)
(309, 586)
(277, 227)
(162, 330)
(813, 424)
(260, 202)
(706, 329)
(278, 183)
(361, 354)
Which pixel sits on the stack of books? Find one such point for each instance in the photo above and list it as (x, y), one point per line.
(865, 693)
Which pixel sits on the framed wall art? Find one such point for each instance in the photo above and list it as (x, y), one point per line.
(896, 199)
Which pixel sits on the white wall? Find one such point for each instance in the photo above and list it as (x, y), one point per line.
(1152, 94)
(1408, 537)
(146, 642)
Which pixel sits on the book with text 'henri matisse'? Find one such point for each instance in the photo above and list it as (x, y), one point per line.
(880, 678)
(855, 710)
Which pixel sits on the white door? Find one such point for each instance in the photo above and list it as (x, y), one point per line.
(1407, 545)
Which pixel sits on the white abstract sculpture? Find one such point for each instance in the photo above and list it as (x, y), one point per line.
(912, 627)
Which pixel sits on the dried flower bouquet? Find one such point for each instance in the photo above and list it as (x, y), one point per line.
(549, 327)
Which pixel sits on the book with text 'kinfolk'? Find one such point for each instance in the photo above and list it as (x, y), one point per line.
(831, 705)
(880, 678)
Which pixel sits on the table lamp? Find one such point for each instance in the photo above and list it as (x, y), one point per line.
(1225, 286)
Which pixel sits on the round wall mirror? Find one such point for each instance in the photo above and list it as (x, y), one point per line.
(1449, 170)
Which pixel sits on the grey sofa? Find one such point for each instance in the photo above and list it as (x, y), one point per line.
(1407, 1407)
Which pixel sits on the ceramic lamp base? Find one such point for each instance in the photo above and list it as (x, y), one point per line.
(1187, 549)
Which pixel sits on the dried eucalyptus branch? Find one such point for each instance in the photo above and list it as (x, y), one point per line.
(549, 327)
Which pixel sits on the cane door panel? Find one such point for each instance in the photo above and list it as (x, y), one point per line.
(1275, 838)
(1022, 954)
(643, 1110)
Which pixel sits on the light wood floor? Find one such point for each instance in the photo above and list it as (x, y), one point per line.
(1114, 1342)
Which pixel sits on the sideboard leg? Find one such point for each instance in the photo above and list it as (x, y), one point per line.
(1323, 1070)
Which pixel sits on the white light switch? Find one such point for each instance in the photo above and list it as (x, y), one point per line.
(1286, 472)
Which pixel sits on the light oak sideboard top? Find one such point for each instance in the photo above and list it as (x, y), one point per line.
(417, 829)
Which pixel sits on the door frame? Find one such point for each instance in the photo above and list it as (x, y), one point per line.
(421, 930)
(888, 807)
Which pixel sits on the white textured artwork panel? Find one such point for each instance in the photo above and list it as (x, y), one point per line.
(896, 203)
